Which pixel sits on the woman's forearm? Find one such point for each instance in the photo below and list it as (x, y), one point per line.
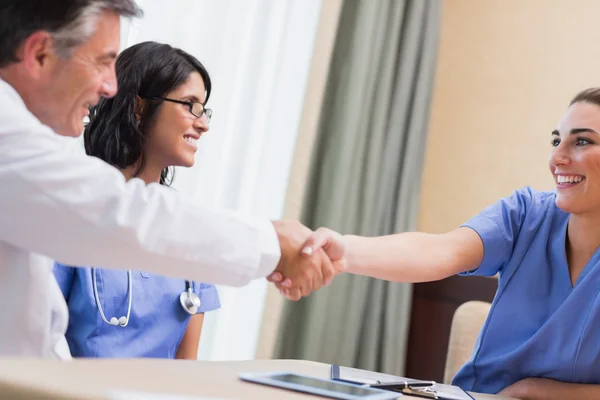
(188, 348)
(548, 389)
(414, 256)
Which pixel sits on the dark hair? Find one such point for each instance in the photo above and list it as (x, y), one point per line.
(71, 22)
(147, 69)
(591, 95)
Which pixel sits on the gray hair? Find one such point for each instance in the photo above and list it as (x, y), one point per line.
(71, 22)
(81, 29)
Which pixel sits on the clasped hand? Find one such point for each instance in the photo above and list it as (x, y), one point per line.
(309, 260)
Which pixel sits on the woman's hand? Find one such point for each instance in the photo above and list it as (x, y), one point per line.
(542, 388)
(518, 390)
(323, 242)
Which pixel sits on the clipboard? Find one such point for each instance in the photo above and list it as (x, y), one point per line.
(409, 387)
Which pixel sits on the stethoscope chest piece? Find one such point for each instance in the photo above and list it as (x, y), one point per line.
(189, 301)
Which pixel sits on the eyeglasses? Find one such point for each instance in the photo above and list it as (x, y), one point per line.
(195, 108)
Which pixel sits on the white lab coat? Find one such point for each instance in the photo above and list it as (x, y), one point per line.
(58, 204)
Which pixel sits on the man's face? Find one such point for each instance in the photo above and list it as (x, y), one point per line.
(69, 87)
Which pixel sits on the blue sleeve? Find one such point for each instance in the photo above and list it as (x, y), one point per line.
(498, 226)
(64, 277)
(209, 297)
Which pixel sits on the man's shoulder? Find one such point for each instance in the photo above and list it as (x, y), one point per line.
(14, 115)
(9, 96)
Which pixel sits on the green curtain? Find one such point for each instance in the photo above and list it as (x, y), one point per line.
(365, 178)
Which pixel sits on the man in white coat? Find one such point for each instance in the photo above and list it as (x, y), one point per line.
(56, 61)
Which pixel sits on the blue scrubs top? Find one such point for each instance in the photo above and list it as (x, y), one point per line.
(539, 325)
(157, 321)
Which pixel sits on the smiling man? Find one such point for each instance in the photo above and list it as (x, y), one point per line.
(57, 72)
(56, 60)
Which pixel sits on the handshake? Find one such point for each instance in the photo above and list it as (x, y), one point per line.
(309, 260)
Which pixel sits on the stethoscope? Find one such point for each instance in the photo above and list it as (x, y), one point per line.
(188, 299)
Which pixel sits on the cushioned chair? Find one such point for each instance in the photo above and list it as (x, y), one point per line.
(466, 324)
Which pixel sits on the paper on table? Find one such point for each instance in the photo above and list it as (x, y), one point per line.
(363, 376)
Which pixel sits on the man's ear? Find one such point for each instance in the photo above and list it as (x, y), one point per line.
(37, 53)
(140, 105)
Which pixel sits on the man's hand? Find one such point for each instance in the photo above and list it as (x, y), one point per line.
(304, 273)
(314, 258)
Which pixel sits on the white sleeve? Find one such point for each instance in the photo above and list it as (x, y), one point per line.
(79, 210)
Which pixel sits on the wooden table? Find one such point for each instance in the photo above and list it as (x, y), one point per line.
(37, 379)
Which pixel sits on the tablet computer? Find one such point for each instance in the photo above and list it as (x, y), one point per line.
(317, 386)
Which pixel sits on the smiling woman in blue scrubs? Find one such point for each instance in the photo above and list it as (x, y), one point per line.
(541, 339)
(151, 125)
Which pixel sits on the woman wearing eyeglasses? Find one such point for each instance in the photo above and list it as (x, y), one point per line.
(152, 124)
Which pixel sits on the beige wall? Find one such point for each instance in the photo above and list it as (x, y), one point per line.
(506, 72)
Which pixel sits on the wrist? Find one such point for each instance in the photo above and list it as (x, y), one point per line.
(352, 264)
(278, 227)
